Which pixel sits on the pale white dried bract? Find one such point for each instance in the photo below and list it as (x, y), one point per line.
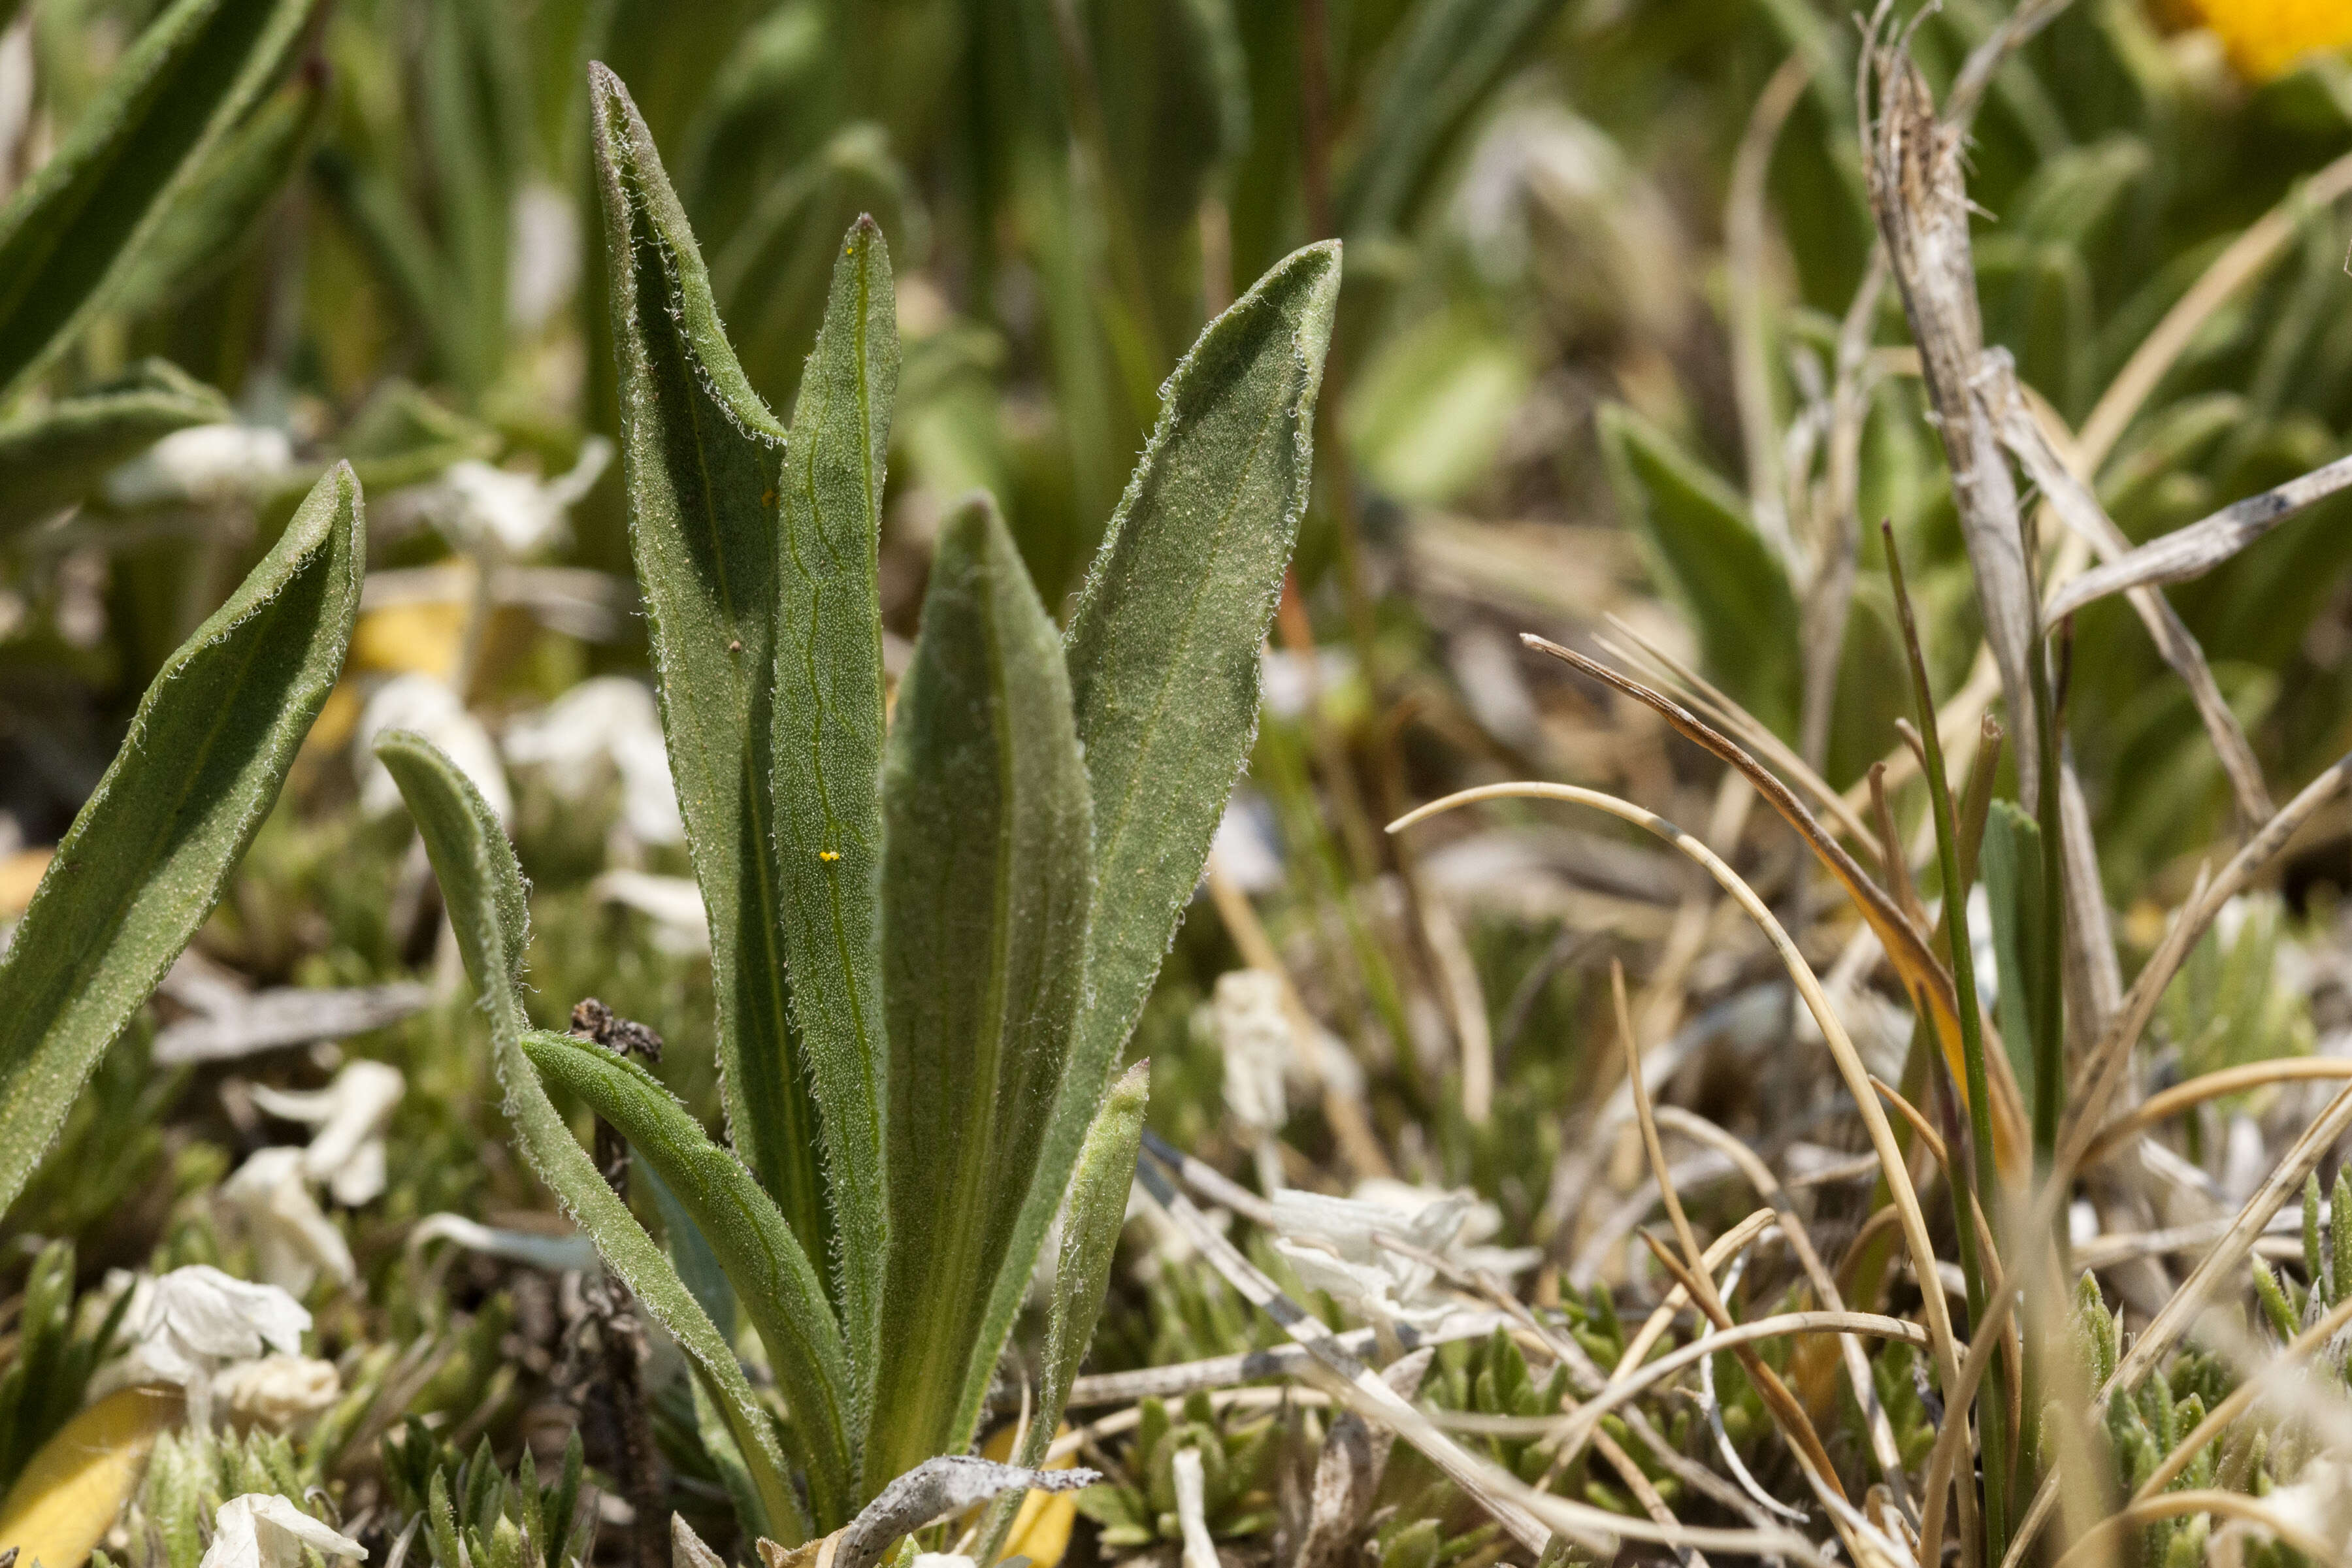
(260, 1529)
(351, 1113)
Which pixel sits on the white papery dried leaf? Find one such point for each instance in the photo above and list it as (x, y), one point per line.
(294, 1241)
(1252, 1029)
(260, 1529)
(605, 727)
(347, 1154)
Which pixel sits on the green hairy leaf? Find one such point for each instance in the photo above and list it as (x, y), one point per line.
(1092, 1219)
(1163, 649)
(482, 888)
(772, 1275)
(53, 457)
(985, 886)
(147, 857)
(79, 223)
(827, 746)
(1703, 549)
(701, 457)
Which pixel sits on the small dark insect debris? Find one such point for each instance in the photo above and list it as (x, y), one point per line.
(592, 1020)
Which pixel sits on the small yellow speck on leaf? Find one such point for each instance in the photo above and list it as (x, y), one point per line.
(828, 856)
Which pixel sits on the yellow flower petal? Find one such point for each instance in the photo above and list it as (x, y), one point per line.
(2267, 37)
(69, 1497)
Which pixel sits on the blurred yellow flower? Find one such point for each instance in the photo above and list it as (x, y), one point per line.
(2265, 38)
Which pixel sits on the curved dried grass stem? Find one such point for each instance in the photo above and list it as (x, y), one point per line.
(1923, 974)
(1801, 1241)
(1571, 1429)
(2180, 1097)
(1841, 1047)
(1638, 1348)
(2173, 1505)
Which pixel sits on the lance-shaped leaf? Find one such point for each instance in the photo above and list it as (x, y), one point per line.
(1163, 651)
(827, 748)
(147, 858)
(1091, 1220)
(55, 455)
(66, 238)
(772, 1275)
(702, 457)
(481, 885)
(985, 884)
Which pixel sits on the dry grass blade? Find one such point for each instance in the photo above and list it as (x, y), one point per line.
(1934, 1141)
(1279, 1361)
(1528, 1515)
(1923, 975)
(2197, 549)
(1565, 1349)
(1891, 854)
(1952, 1439)
(1801, 1241)
(1833, 1034)
(1574, 1428)
(2021, 430)
(1787, 1413)
(1339, 1374)
(2228, 1258)
(1750, 732)
(1829, 595)
(2180, 1097)
(1653, 1328)
(1745, 237)
(1984, 62)
(2175, 1505)
(2103, 1067)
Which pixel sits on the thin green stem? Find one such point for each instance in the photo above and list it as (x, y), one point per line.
(1992, 1423)
(2048, 994)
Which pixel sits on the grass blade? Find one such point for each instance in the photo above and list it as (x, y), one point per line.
(986, 883)
(702, 457)
(1992, 1425)
(482, 888)
(772, 1275)
(56, 455)
(149, 856)
(66, 239)
(827, 749)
